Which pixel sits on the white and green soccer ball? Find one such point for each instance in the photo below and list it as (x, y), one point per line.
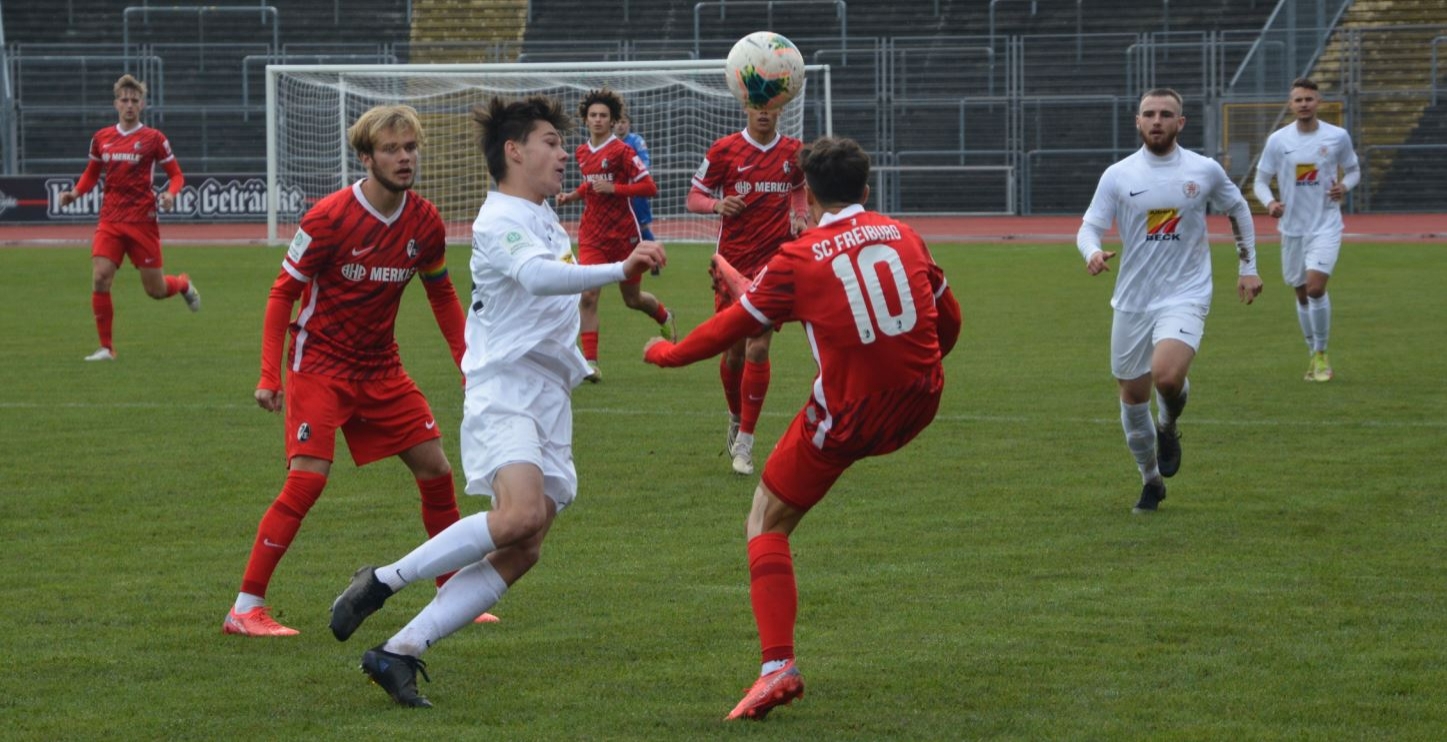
(765, 70)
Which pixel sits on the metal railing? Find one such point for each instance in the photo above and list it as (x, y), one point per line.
(201, 11)
(841, 13)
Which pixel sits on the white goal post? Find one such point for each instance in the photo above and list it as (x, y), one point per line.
(678, 107)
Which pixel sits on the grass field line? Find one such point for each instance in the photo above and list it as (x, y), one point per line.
(633, 412)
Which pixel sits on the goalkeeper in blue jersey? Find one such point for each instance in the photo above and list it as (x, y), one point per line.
(642, 208)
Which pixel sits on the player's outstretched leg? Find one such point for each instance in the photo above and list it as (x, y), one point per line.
(255, 622)
(363, 597)
(778, 688)
(727, 281)
(1168, 450)
(190, 294)
(396, 674)
(1151, 495)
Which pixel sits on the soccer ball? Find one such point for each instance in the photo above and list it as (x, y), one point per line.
(765, 70)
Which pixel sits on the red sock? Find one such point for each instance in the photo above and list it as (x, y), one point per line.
(731, 381)
(590, 344)
(278, 526)
(105, 313)
(755, 385)
(175, 285)
(773, 594)
(661, 315)
(439, 508)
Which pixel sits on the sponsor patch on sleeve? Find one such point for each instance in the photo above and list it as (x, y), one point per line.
(515, 241)
(298, 247)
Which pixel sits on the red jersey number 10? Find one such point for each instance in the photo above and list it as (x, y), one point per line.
(874, 317)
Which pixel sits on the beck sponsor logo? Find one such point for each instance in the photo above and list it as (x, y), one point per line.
(1161, 225)
(1306, 174)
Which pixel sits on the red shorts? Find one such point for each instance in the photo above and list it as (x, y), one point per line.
(140, 240)
(380, 417)
(607, 251)
(810, 456)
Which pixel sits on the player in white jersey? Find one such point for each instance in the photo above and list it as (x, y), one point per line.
(1157, 198)
(517, 426)
(1306, 159)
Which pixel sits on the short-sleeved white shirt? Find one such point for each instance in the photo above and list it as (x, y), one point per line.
(506, 323)
(1159, 206)
(1306, 167)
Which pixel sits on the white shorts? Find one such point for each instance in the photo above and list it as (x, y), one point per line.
(1316, 252)
(523, 415)
(1134, 336)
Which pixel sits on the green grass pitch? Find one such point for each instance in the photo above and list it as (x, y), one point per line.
(989, 581)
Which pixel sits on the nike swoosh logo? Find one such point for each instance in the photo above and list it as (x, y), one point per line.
(742, 168)
(1184, 331)
(1287, 152)
(268, 542)
(1133, 194)
(359, 253)
(430, 424)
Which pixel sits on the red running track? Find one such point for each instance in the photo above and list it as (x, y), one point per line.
(1359, 227)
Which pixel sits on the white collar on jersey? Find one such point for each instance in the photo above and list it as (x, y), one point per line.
(844, 213)
(610, 138)
(125, 133)
(1155, 160)
(764, 147)
(362, 199)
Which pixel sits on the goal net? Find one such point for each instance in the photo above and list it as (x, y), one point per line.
(678, 107)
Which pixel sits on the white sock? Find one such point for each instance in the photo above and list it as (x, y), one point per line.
(1320, 311)
(246, 602)
(1170, 409)
(1303, 317)
(772, 666)
(465, 542)
(1140, 438)
(474, 589)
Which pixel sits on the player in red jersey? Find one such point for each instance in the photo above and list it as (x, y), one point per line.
(879, 317)
(749, 178)
(613, 173)
(349, 263)
(127, 153)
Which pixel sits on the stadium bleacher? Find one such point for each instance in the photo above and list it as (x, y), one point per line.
(1042, 86)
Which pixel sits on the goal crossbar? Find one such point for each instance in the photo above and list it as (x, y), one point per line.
(679, 107)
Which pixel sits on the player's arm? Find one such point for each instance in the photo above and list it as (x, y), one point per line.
(798, 211)
(446, 308)
(88, 180)
(543, 276)
(1087, 241)
(707, 340)
(1351, 172)
(1261, 189)
(947, 326)
(1266, 169)
(573, 195)
(700, 202)
(1243, 230)
(642, 186)
(279, 304)
(175, 181)
(1097, 219)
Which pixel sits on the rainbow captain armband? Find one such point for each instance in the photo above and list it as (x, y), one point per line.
(434, 272)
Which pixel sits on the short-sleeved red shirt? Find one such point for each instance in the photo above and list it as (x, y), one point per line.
(128, 160)
(864, 287)
(608, 220)
(356, 265)
(764, 175)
